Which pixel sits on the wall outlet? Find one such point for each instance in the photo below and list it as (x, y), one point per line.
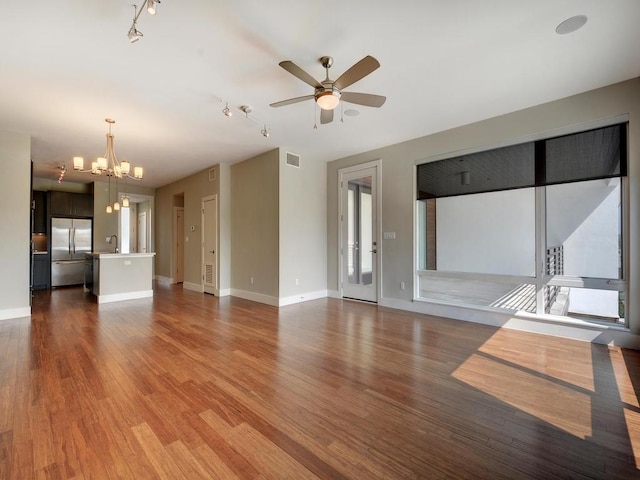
(186, 239)
(297, 281)
(251, 280)
(402, 285)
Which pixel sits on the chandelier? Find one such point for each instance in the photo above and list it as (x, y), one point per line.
(110, 166)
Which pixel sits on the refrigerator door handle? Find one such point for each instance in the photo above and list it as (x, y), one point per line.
(74, 241)
(69, 241)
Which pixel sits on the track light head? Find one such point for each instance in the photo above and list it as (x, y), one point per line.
(134, 34)
(151, 6)
(265, 132)
(227, 111)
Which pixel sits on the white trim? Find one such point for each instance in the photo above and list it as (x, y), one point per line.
(334, 294)
(284, 301)
(163, 280)
(118, 297)
(255, 297)
(195, 287)
(11, 313)
(225, 292)
(523, 321)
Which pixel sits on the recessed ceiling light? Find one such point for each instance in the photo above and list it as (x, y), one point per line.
(571, 24)
(352, 112)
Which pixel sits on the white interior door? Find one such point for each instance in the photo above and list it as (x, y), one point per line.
(358, 232)
(178, 274)
(209, 244)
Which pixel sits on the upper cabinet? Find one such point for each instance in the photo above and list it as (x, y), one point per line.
(39, 211)
(70, 204)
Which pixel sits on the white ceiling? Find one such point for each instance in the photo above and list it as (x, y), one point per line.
(66, 65)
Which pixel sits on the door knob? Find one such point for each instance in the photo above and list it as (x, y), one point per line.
(375, 250)
(213, 251)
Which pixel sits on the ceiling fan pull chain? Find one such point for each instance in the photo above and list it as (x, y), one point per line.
(315, 116)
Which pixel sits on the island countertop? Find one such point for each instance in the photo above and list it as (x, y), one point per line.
(118, 255)
(113, 277)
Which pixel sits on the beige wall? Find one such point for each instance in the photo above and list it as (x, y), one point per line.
(193, 188)
(255, 225)
(15, 228)
(398, 161)
(303, 223)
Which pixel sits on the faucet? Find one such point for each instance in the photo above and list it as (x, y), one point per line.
(115, 250)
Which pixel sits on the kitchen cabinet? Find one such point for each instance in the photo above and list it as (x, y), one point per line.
(41, 266)
(70, 204)
(39, 211)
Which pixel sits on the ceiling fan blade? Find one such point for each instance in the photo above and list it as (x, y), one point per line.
(361, 69)
(291, 101)
(296, 71)
(326, 116)
(366, 99)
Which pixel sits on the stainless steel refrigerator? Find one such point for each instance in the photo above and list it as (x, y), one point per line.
(70, 240)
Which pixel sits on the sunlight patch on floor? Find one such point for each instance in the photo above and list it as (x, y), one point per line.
(633, 427)
(556, 403)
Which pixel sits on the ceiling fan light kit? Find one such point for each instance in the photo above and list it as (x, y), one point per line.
(328, 100)
(329, 93)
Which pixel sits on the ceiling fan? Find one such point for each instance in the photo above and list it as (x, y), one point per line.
(328, 93)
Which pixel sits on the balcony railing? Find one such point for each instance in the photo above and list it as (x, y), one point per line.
(554, 266)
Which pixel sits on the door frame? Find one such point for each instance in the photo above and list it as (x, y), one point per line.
(377, 234)
(216, 283)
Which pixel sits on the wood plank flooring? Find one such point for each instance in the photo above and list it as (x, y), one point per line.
(191, 386)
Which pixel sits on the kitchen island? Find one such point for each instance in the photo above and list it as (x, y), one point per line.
(113, 277)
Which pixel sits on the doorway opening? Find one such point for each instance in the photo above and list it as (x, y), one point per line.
(135, 226)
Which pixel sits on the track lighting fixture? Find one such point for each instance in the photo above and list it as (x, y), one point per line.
(151, 6)
(227, 111)
(265, 132)
(63, 170)
(135, 34)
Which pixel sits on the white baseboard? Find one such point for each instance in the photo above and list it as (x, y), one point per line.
(118, 297)
(583, 331)
(303, 297)
(255, 297)
(195, 287)
(163, 280)
(333, 294)
(225, 292)
(10, 313)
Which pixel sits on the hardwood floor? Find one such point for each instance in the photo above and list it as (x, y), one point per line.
(191, 386)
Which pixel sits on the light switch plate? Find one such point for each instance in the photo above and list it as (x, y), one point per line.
(389, 235)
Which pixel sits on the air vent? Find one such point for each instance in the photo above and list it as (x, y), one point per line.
(208, 273)
(293, 160)
(212, 174)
